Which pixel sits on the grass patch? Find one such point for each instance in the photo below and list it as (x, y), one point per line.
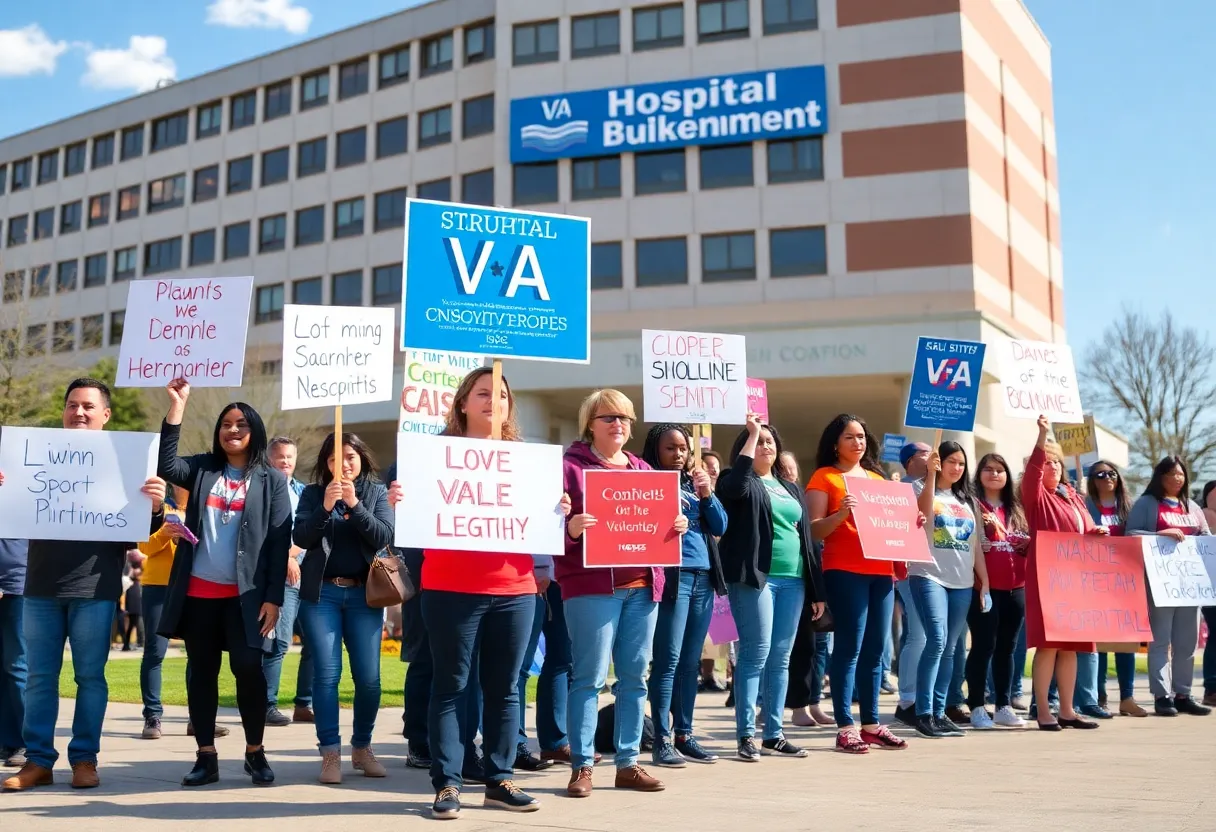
(123, 678)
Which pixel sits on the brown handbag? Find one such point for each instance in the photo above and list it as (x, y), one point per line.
(388, 582)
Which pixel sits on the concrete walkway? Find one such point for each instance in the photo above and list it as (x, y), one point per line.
(1132, 773)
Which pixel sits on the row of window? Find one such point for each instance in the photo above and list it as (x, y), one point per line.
(654, 27)
(727, 166)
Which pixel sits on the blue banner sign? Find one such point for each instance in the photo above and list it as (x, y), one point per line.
(722, 109)
(497, 282)
(892, 444)
(945, 384)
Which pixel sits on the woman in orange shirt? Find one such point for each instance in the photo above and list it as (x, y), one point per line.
(860, 592)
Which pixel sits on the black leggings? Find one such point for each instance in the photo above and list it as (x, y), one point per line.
(993, 637)
(210, 626)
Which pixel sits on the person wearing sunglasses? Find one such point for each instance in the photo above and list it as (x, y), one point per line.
(610, 613)
(1109, 504)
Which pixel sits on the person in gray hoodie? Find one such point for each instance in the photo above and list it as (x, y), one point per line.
(13, 554)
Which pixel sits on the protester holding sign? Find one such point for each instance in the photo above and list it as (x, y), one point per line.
(1051, 506)
(994, 632)
(342, 522)
(1109, 505)
(225, 591)
(860, 592)
(611, 613)
(1208, 501)
(1165, 510)
(71, 589)
(771, 568)
(688, 600)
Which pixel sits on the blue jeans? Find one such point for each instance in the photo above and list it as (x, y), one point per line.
(553, 687)
(1085, 693)
(272, 662)
(679, 636)
(914, 645)
(861, 608)
(616, 628)
(13, 672)
(525, 667)
(155, 648)
(48, 624)
(341, 615)
(767, 620)
(1019, 663)
(943, 612)
(954, 696)
(1125, 670)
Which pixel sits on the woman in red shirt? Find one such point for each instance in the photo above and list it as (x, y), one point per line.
(1051, 505)
(994, 634)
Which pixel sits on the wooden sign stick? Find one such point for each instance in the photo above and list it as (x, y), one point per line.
(338, 443)
(496, 394)
(696, 443)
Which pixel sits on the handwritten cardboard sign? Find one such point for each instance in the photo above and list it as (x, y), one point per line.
(1091, 588)
(478, 495)
(636, 512)
(185, 328)
(722, 629)
(945, 386)
(1077, 440)
(337, 355)
(886, 519)
(1039, 378)
(757, 398)
(76, 484)
(694, 377)
(431, 380)
(1181, 574)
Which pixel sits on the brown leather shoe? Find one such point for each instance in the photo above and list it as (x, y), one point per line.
(30, 776)
(84, 776)
(562, 755)
(302, 714)
(220, 730)
(580, 782)
(364, 760)
(1209, 699)
(636, 778)
(1128, 707)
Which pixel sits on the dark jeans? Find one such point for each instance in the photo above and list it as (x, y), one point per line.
(454, 621)
(155, 648)
(679, 637)
(1125, 670)
(418, 679)
(805, 665)
(525, 667)
(272, 662)
(994, 635)
(553, 687)
(1209, 652)
(861, 609)
(823, 654)
(210, 627)
(13, 672)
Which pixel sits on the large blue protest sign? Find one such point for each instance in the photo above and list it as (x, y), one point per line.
(496, 282)
(945, 384)
(721, 109)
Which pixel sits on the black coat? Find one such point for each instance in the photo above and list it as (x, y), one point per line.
(370, 528)
(746, 550)
(263, 546)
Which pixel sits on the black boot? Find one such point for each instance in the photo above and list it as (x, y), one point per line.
(257, 767)
(206, 770)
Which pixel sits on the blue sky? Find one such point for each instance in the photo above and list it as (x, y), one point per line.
(1133, 110)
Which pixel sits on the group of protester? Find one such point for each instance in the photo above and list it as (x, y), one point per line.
(241, 554)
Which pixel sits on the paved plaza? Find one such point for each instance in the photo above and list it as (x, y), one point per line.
(1131, 774)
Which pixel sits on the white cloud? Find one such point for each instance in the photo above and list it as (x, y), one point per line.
(139, 67)
(28, 51)
(260, 14)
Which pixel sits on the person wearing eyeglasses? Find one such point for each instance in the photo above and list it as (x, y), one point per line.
(1109, 504)
(610, 613)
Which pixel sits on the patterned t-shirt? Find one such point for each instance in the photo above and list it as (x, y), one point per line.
(215, 554)
(952, 533)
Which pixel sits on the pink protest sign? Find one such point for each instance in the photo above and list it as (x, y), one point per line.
(722, 628)
(757, 398)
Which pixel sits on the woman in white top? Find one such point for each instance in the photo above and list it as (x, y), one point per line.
(942, 590)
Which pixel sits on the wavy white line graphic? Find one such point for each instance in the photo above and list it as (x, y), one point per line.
(553, 139)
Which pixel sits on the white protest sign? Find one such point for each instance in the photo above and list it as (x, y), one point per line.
(76, 484)
(1039, 378)
(186, 328)
(1181, 574)
(336, 355)
(694, 377)
(479, 495)
(431, 379)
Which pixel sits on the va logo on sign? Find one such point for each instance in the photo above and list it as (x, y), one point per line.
(523, 260)
(557, 108)
(557, 138)
(949, 373)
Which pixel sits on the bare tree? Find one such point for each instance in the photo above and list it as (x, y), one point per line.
(1153, 381)
(29, 377)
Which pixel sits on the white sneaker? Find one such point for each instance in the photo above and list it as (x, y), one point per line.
(1006, 717)
(980, 720)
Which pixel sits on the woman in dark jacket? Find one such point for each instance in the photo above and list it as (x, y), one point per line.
(771, 568)
(688, 600)
(341, 524)
(226, 590)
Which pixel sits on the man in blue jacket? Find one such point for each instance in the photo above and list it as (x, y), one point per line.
(13, 555)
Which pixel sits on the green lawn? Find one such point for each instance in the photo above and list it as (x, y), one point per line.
(123, 677)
